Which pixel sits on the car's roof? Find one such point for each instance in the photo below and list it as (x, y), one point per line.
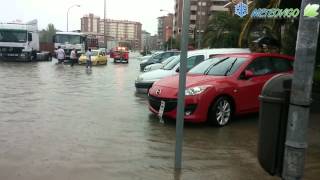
(256, 55)
(218, 51)
(169, 51)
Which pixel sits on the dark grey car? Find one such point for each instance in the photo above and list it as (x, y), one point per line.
(158, 58)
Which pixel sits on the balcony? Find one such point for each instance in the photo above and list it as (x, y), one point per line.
(193, 8)
(193, 17)
(218, 8)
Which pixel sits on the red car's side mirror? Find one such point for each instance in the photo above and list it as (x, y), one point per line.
(248, 74)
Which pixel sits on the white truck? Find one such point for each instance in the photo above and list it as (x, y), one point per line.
(20, 42)
(69, 40)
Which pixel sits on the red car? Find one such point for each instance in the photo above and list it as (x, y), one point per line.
(220, 87)
(120, 54)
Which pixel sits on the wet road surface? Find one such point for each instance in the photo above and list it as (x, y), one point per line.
(63, 123)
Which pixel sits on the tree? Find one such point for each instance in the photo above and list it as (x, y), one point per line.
(175, 43)
(47, 34)
(223, 30)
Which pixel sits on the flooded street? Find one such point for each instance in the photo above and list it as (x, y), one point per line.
(65, 123)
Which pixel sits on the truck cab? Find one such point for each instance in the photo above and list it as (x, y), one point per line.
(18, 42)
(69, 40)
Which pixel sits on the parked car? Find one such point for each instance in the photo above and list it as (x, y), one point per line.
(146, 57)
(142, 58)
(145, 80)
(98, 58)
(221, 87)
(158, 58)
(156, 66)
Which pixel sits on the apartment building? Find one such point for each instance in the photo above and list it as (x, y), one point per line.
(121, 31)
(90, 23)
(165, 28)
(200, 12)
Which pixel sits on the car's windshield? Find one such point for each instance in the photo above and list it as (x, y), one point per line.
(221, 66)
(94, 53)
(155, 57)
(172, 63)
(168, 60)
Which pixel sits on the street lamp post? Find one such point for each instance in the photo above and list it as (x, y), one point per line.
(75, 5)
(104, 25)
(172, 24)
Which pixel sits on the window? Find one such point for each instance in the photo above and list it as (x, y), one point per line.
(13, 36)
(194, 60)
(226, 67)
(172, 63)
(64, 38)
(166, 55)
(261, 66)
(282, 65)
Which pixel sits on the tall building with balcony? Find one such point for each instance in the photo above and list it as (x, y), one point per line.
(165, 28)
(200, 12)
(89, 23)
(122, 32)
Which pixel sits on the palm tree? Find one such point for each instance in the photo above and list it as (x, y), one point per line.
(47, 34)
(222, 30)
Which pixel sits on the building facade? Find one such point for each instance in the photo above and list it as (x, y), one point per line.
(124, 32)
(145, 41)
(89, 23)
(154, 42)
(165, 28)
(200, 12)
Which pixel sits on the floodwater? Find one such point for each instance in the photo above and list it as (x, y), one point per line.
(65, 123)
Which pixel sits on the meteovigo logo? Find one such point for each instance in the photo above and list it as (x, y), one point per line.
(275, 13)
(241, 9)
(311, 10)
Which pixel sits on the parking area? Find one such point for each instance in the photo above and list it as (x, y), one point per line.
(61, 122)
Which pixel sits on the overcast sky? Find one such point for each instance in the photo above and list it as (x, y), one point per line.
(55, 11)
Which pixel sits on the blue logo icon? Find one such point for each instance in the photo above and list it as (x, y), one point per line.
(241, 9)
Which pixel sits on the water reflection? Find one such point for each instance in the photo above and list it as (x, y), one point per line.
(59, 121)
(89, 71)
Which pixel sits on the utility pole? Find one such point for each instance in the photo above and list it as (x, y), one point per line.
(104, 25)
(182, 82)
(299, 110)
(172, 31)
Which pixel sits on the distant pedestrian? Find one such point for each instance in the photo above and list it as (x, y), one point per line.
(60, 55)
(89, 63)
(73, 56)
